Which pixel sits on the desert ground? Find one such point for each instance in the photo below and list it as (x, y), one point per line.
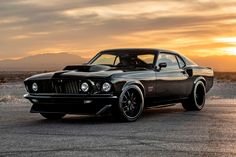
(166, 131)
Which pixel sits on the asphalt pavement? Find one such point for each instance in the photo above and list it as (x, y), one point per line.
(160, 132)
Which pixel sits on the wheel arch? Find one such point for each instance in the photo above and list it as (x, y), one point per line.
(137, 83)
(201, 78)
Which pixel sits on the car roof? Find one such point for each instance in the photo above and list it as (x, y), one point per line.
(135, 50)
(120, 51)
(156, 51)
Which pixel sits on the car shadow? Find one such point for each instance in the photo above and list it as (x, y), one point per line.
(91, 119)
(149, 112)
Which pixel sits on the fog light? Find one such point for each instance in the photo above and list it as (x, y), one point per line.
(85, 87)
(35, 87)
(34, 101)
(106, 87)
(87, 101)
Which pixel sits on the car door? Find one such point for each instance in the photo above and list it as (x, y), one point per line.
(170, 80)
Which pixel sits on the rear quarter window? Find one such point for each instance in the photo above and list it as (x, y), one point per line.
(181, 62)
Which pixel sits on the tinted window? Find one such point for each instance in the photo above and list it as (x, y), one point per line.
(117, 60)
(129, 60)
(169, 59)
(106, 59)
(146, 58)
(181, 62)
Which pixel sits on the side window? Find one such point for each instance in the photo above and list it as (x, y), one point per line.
(147, 58)
(181, 62)
(117, 60)
(169, 59)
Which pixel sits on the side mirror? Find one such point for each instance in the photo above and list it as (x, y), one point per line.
(162, 65)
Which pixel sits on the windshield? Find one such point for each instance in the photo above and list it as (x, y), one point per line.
(145, 60)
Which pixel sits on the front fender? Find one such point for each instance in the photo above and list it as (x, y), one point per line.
(135, 82)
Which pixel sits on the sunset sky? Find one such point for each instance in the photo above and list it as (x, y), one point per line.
(83, 27)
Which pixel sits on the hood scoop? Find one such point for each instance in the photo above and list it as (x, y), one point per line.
(88, 68)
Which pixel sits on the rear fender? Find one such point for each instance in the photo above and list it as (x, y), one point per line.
(200, 79)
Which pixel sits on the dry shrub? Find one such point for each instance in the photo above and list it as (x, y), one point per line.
(225, 76)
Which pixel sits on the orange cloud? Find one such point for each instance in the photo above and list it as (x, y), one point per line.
(195, 28)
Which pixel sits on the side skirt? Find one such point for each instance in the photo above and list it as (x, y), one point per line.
(162, 103)
(160, 106)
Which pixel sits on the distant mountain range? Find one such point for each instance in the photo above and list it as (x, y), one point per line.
(57, 61)
(41, 62)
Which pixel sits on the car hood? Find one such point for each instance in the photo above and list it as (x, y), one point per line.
(80, 71)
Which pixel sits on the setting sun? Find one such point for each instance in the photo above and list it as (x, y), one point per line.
(227, 40)
(229, 50)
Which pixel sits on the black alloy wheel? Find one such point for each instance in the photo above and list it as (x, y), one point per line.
(197, 99)
(131, 103)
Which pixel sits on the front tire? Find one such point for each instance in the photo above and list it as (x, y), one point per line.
(197, 99)
(53, 116)
(131, 104)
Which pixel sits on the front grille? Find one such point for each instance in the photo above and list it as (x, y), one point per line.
(72, 87)
(59, 86)
(64, 86)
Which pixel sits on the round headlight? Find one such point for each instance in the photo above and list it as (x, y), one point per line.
(106, 87)
(35, 87)
(84, 87)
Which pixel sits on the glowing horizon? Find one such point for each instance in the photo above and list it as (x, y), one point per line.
(194, 28)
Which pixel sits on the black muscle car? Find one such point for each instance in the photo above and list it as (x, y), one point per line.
(122, 82)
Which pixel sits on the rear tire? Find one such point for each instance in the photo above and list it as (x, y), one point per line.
(53, 116)
(130, 105)
(196, 101)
